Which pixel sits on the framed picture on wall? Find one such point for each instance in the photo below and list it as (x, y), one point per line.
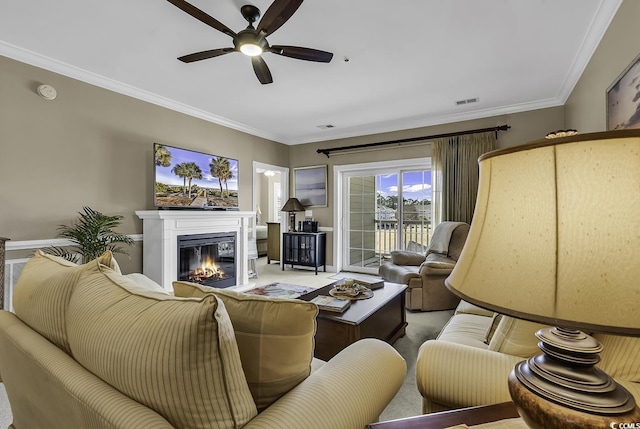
(623, 99)
(310, 185)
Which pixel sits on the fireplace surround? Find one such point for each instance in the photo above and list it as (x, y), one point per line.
(161, 229)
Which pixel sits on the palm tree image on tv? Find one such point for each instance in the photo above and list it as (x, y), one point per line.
(221, 169)
(162, 155)
(185, 178)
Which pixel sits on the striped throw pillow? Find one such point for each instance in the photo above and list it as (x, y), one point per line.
(42, 293)
(177, 356)
(620, 356)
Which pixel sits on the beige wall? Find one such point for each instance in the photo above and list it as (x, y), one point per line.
(586, 108)
(93, 147)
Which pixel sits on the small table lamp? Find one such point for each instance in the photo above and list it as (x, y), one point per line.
(292, 206)
(555, 239)
(258, 213)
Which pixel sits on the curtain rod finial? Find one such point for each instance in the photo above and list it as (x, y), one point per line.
(324, 151)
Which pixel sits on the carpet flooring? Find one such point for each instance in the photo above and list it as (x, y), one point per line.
(422, 326)
(5, 410)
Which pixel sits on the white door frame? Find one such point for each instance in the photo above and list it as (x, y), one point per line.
(339, 196)
(284, 190)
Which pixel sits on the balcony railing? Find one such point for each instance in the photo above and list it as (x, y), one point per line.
(416, 235)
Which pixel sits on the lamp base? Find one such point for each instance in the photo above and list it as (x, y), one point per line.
(563, 387)
(292, 222)
(540, 413)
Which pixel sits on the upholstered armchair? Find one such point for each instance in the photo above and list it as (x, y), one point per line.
(425, 273)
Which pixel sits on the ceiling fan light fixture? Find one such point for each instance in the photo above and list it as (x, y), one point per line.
(252, 41)
(250, 49)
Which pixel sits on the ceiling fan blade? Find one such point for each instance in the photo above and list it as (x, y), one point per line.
(197, 56)
(262, 71)
(202, 16)
(278, 13)
(299, 53)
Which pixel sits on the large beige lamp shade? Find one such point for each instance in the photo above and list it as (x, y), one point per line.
(555, 239)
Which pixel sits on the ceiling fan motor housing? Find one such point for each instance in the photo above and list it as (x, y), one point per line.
(250, 13)
(250, 37)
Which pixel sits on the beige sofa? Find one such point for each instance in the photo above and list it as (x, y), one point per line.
(425, 273)
(89, 347)
(468, 364)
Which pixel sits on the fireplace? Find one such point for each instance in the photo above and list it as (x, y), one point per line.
(208, 259)
(161, 229)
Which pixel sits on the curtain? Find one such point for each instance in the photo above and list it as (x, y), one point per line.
(454, 169)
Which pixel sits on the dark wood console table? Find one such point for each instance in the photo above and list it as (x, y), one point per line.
(304, 248)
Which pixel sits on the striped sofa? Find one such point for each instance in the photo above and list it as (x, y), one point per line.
(90, 348)
(468, 364)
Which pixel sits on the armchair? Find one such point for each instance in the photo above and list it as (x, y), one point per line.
(425, 273)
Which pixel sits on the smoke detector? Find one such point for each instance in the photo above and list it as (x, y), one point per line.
(47, 92)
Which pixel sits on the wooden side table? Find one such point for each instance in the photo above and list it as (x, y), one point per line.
(469, 416)
(273, 241)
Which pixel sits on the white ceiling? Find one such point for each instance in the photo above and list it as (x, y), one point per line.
(409, 60)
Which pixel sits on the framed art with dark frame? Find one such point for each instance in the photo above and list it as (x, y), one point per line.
(310, 185)
(623, 99)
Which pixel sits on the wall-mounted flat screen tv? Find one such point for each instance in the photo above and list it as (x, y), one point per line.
(186, 178)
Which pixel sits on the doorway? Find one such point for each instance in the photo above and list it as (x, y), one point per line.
(270, 190)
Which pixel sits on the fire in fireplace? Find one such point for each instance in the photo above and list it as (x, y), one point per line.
(208, 259)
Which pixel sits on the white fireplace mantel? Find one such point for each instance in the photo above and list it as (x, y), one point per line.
(161, 229)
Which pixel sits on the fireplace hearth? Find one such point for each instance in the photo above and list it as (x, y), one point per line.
(208, 259)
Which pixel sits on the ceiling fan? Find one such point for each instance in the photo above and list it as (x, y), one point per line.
(252, 41)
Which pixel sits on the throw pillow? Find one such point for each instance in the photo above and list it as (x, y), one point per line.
(620, 356)
(275, 338)
(468, 308)
(405, 257)
(496, 318)
(176, 356)
(516, 337)
(42, 293)
(144, 281)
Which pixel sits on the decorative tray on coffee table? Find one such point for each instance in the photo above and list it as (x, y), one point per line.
(353, 291)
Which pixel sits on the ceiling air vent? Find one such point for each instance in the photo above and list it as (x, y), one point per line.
(324, 127)
(467, 101)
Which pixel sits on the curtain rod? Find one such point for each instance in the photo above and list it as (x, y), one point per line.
(414, 139)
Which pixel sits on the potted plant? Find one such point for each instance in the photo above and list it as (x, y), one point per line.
(92, 234)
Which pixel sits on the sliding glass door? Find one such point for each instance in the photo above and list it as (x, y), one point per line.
(384, 211)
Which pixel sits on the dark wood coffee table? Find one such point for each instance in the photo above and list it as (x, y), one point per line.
(382, 316)
(469, 416)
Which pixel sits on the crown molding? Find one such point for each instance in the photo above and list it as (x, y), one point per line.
(426, 121)
(603, 17)
(53, 65)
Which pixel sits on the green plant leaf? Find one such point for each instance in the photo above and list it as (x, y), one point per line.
(92, 234)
